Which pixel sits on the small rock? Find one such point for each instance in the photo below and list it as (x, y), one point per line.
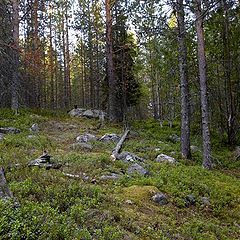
(130, 202)
(174, 138)
(110, 137)
(71, 127)
(34, 128)
(190, 200)
(165, 158)
(136, 168)
(129, 157)
(77, 112)
(95, 113)
(86, 137)
(30, 136)
(236, 153)
(160, 198)
(113, 176)
(133, 134)
(81, 146)
(93, 181)
(6, 130)
(194, 149)
(1, 136)
(205, 201)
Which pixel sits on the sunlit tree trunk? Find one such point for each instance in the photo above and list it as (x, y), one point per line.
(202, 64)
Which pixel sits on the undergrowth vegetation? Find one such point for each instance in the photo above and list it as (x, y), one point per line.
(54, 206)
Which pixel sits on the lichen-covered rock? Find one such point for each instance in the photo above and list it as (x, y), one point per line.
(1, 136)
(86, 137)
(34, 128)
(194, 149)
(137, 169)
(165, 158)
(94, 113)
(190, 200)
(112, 176)
(81, 146)
(205, 201)
(77, 112)
(110, 137)
(236, 153)
(12, 130)
(174, 138)
(129, 157)
(160, 198)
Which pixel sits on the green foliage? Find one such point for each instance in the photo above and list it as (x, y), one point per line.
(54, 206)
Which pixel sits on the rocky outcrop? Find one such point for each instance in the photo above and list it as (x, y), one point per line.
(110, 137)
(34, 128)
(11, 130)
(129, 157)
(44, 161)
(86, 137)
(165, 158)
(77, 112)
(89, 113)
(137, 169)
(160, 198)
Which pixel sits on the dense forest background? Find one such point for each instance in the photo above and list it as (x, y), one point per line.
(165, 59)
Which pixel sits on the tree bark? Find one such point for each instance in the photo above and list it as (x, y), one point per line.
(202, 64)
(113, 106)
(15, 76)
(185, 103)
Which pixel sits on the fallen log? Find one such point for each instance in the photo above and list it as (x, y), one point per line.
(118, 147)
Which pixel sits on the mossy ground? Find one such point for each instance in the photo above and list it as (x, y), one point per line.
(54, 206)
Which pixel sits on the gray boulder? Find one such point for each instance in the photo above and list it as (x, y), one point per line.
(165, 158)
(136, 168)
(34, 128)
(160, 198)
(236, 153)
(110, 137)
(94, 113)
(190, 200)
(81, 146)
(129, 157)
(77, 112)
(174, 138)
(112, 176)
(44, 162)
(194, 149)
(1, 136)
(86, 137)
(205, 201)
(6, 130)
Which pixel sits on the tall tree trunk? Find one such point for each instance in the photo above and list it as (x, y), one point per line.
(185, 104)
(15, 76)
(202, 64)
(51, 59)
(231, 113)
(65, 75)
(113, 106)
(68, 72)
(82, 73)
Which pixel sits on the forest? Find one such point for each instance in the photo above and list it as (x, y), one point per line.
(81, 80)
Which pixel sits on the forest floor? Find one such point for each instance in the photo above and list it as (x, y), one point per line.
(56, 206)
